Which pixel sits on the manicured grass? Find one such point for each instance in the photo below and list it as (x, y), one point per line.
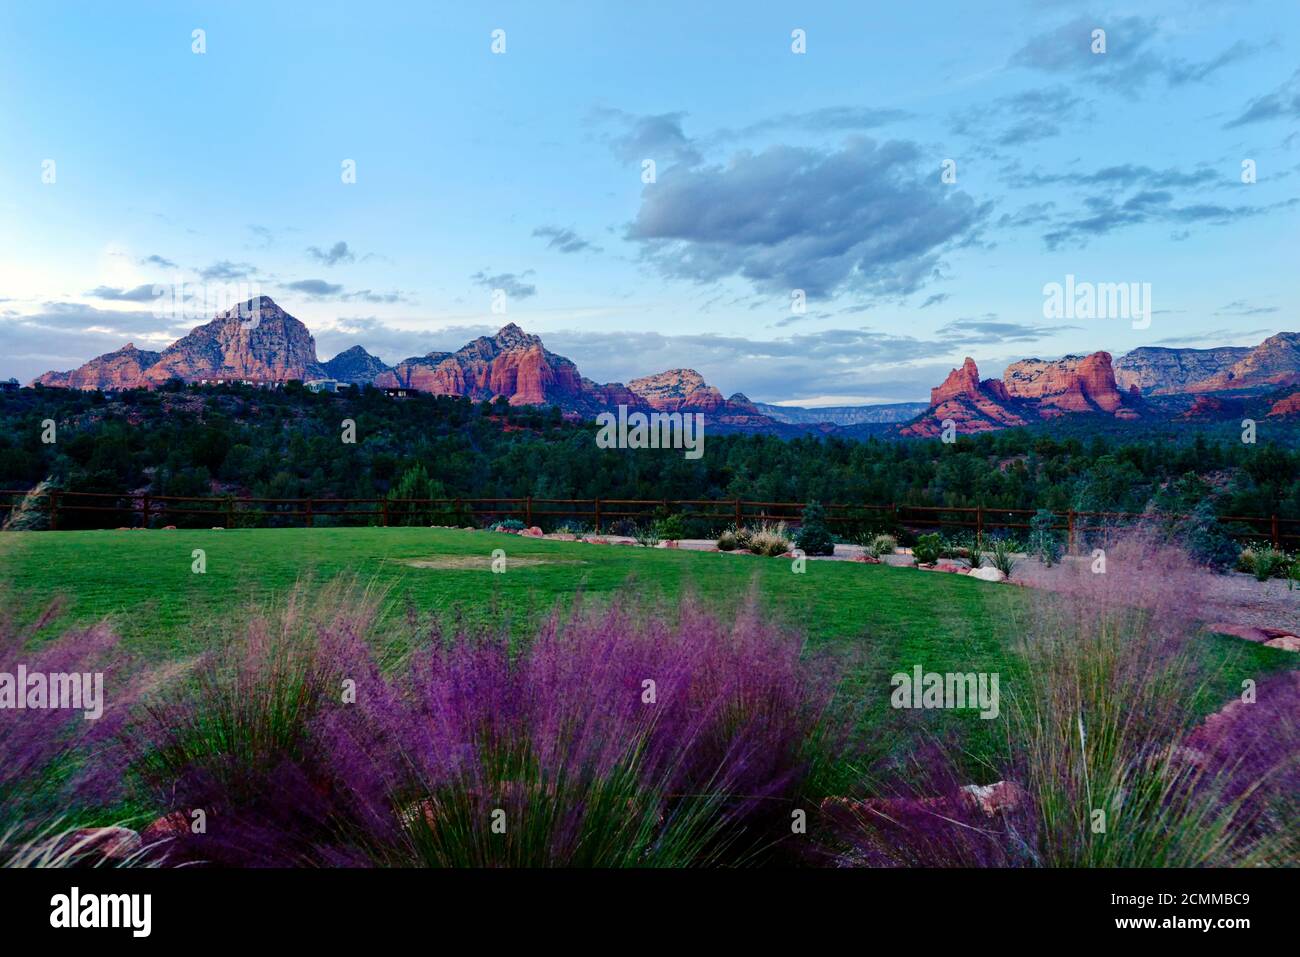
(885, 619)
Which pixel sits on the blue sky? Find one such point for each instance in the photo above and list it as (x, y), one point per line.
(775, 171)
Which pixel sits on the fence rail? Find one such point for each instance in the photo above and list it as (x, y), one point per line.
(142, 509)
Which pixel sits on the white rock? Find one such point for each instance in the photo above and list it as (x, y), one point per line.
(987, 574)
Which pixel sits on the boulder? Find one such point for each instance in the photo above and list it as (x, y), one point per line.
(987, 574)
(1285, 642)
(110, 843)
(533, 532)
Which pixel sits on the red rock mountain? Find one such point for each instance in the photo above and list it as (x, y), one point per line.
(1031, 390)
(511, 363)
(1274, 362)
(679, 390)
(123, 369)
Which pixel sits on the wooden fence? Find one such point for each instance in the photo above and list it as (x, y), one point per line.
(143, 510)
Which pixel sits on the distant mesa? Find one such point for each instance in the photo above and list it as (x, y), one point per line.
(516, 365)
(1030, 390)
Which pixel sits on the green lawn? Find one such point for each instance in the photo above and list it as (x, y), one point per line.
(887, 619)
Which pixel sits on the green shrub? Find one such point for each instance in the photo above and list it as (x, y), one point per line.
(1269, 562)
(1044, 542)
(1000, 556)
(671, 526)
(813, 538)
(881, 545)
(927, 548)
(769, 540)
(728, 541)
(647, 536)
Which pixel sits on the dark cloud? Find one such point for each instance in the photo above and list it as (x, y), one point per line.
(1282, 103)
(1239, 307)
(1104, 214)
(989, 330)
(315, 287)
(338, 253)
(828, 119)
(1121, 176)
(1022, 117)
(513, 285)
(658, 137)
(63, 335)
(565, 240)
(225, 271)
(937, 299)
(146, 293)
(1131, 57)
(862, 218)
(156, 260)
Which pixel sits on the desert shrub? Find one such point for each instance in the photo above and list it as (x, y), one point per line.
(671, 526)
(624, 527)
(813, 536)
(1001, 557)
(1044, 542)
(881, 545)
(550, 731)
(1202, 535)
(927, 549)
(507, 525)
(571, 526)
(1269, 562)
(729, 541)
(769, 539)
(647, 535)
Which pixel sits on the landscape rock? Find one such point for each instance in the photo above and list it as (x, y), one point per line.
(110, 843)
(987, 574)
(1286, 643)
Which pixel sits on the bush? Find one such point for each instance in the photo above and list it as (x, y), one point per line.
(1203, 537)
(927, 549)
(1001, 557)
(573, 527)
(623, 527)
(881, 545)
(728, 541)
(647, 536)
(769, 540)
(1268, 562)
(813, 537)
(507, 525)
(1044, 542)
(671, 526)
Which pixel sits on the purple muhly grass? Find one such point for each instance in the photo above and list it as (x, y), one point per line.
(42, 750)
(564, 734)
(1248, 754)
(1112, 669)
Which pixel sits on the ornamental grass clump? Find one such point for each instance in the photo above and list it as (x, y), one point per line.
(1108, 762)
(632, 733)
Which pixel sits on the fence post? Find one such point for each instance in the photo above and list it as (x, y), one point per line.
(1276, 537)
(528, 511)
(54, 511)
(384, 507)
(598, 516)
(739, 520)
(979, 530)
(1069, 534)
(309, 516)
(230, 513)
(144, 510)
